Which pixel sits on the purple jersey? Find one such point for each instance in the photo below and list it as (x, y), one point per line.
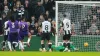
(24, 26)
(23, 29)
(13, 26)
(13, 31)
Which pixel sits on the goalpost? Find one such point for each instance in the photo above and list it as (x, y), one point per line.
(85, 20)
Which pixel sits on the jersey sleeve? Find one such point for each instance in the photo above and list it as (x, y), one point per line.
(5, 25)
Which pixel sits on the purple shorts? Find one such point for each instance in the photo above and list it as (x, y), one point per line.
(23, 34)
(13, 37)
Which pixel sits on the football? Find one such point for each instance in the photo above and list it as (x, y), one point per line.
(86, 44)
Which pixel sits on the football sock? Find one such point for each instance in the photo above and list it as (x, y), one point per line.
(21, 45)
(64, 44)
(68, 44)
(49, 45)
(3, 44)
(43, 46)
(9, 45)
(28, 41)
(13, 45)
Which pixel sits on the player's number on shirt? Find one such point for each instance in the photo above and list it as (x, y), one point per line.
(23, 26)
(13, 26)
(46, 27)
(67, 25)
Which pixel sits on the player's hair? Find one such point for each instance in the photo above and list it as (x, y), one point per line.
(23, 18)
(46, 19)
(12, 19)
(33, 16)
(64, 15)
(45, 16)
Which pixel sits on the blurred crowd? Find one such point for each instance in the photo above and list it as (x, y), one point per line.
(85, 19)
(32, 10)
(90, 24)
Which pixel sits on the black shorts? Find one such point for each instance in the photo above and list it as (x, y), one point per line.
(45, 36)
(67, 37)
(5, 37)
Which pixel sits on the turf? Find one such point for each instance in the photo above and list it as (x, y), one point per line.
(49, 53)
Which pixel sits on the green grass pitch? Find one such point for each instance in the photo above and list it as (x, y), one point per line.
(26, 53)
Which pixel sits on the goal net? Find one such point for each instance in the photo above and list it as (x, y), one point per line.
(85, 21)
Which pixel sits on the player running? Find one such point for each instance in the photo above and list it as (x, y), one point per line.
(66, 27)
(24, 31)
(46, 29)
(13, 35)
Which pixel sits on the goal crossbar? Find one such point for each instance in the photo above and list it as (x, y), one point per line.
(78, 2)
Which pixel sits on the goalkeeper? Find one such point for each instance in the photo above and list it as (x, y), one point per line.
(61, 48)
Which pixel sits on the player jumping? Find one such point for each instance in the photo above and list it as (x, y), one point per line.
(24, 31)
